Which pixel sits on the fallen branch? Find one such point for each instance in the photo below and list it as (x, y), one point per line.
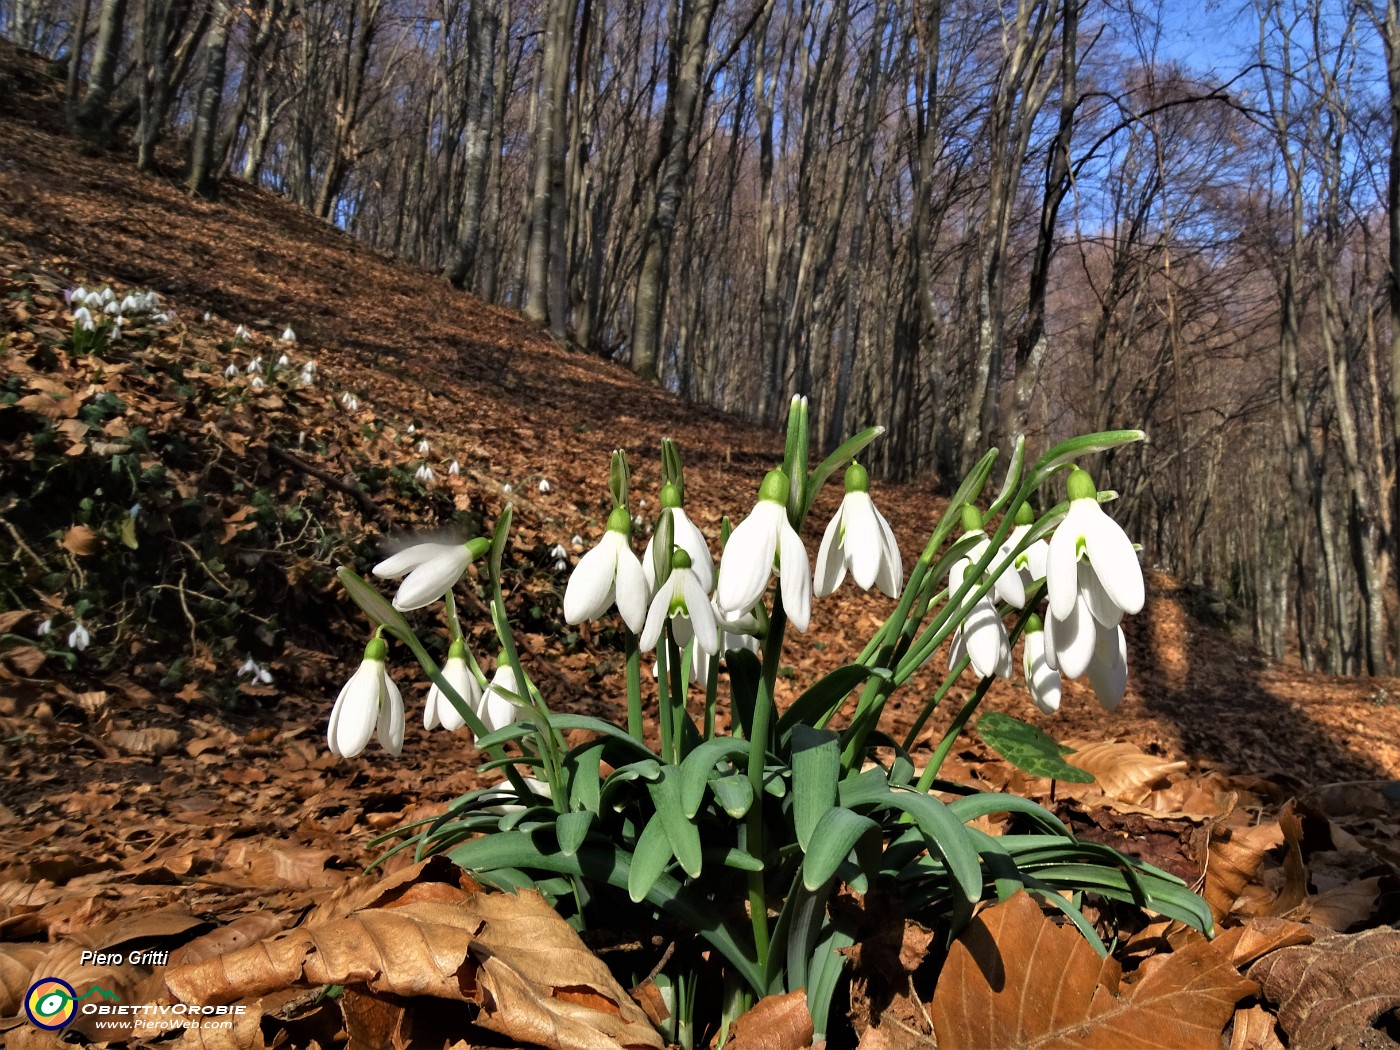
(371, 510)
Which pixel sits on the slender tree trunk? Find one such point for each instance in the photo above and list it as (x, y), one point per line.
(202, 180)
(111, 26)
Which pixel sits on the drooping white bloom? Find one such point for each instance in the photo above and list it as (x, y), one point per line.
(288, 336)
(558, 552)
(686, 536)
(79, 293)
(608, 574)
(412, 428)
(507, 488)
(545, 486)
(1092, 558)
(1108, 669)
(749, 557)
(353, 404)
(112, 309)
(860, 539)
(46, 627)
(257, 383)
(208, 316)
(82, 317)
(1042, 679)
(429, 569)
(284, 361)
(577, 541)
(1080, 645)
(733, 634)
(231, 371)
(369, 701)
(684, 602)
(107, 294)
(422, 447)
(240, 333)
(439, 709)
(425, 474)
(981, 634)
(255, 366)
(454, 469)
(248, 669)
(498, 710)
(78, 637)
(1029, 565)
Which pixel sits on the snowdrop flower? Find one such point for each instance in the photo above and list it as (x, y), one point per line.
(284, 362)
(497, 709)
(308, 376)
(429, 569)
(345, 398)
(240, 333)
(230, 371)
(257, 383)
(208, 316)
(131, 305)
(1008, 586)
(112, 309)
(545, 486)
(684, 602)
(687, 537)
(749, 557)
(454, 469)
(577, 541)
(558, 553)
(425, 474)
(353, 404)
(107, 294)
(1108, 669)
(1029, 565)
(249, 668)
(422, 447)
(858, 538)
(288, 336)
(255, 366)
(1042, 679)
(507, 488)
(1092, 558)
(439, 710)
(609, 574)
(738, 633)
(368, 701)
(79, 293)
(981, 635)
(78, 637)
(1080, 645)
(412, 429)
(83, 316)
(46, 627)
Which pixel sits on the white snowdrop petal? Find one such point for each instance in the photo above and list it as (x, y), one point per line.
(862, 543)
(631, 589)
(590, 587)
(1042, 680)
(1115, 562)
(702, 617)
(1061, 569)
(1074, 640)
(891, 577)
(795, 578)
(831, 566)
(748, 559)
(1108, 670)
(690, 539)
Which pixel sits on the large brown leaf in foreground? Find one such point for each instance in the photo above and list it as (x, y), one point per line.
(1015, 979)
(509, 953)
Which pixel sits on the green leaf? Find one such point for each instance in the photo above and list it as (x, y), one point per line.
(649, 859)
(816, 769)
(835, 836)
(571, 829)
(822, 698)
(372, 603)
(745, 673)
(733, 793)
(683, 835)
(583, 764)
(698, 767)
(843, 454)
(1069, 451)
(1013, 475)
(1028, 749)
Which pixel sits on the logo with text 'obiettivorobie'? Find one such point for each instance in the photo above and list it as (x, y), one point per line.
(52, 1004)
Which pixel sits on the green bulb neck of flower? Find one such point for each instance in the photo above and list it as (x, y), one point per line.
(670, 497)
(457, 650)
(1033, 624)
(775, 488)
(479, 546)
(1024, 515)
(857, 478)
(1081, 485)
(679, 560)
(620, 521)
(971, 518)
(377, 649)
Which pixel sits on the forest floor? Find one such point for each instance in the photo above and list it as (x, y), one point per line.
(167, 817)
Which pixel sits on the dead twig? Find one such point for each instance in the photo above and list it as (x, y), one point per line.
(371, 510)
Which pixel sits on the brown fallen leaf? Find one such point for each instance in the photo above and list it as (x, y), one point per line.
(152, 741)
(1124, 771)
(1255, 1029)
(1015, 979)
(1335, 991)
(18, 963)
(82, 541)
(1343, 907)
(1232, 862)
(776, 1022)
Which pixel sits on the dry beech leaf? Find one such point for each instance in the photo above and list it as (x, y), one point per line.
(18, 964)
(1124, 771)
(776, 1022)
(1258, 937)
(1233, 861)
(1255, 1029)
(1294, 893)
(82, 541)
(1015, 979)
(145, 741)
(1343, 907)
(1334, 992)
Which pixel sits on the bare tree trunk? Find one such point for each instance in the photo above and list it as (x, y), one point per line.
(111, 24)
(549, 142)
(201, 180)
(691, 21)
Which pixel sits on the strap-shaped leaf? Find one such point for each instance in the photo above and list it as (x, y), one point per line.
(733, 793)
(985, 803)
(583, 765)
(745, 672)
(823, 973)
(698, 768)
(566, 722)
(816, 770)
(571, 829)
(835, 836)
(649, 859)
(684, 836)
(648, 769)
(824, 696)
(612, 866)
(1076, 448)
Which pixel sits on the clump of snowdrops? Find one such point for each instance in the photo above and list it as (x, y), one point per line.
(740, 843)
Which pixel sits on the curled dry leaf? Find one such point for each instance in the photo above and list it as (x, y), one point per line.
(1015, 979)
(18, 962)
(776, 1022)
(82, 541)
(145, 741)
(1254, 1028)
(1233, 860)
(1124, 771)
(1336, 991)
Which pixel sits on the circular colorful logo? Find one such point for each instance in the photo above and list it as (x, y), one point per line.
(49, 1003)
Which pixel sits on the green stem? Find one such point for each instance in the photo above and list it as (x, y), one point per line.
(635, 723)
(758, 757)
